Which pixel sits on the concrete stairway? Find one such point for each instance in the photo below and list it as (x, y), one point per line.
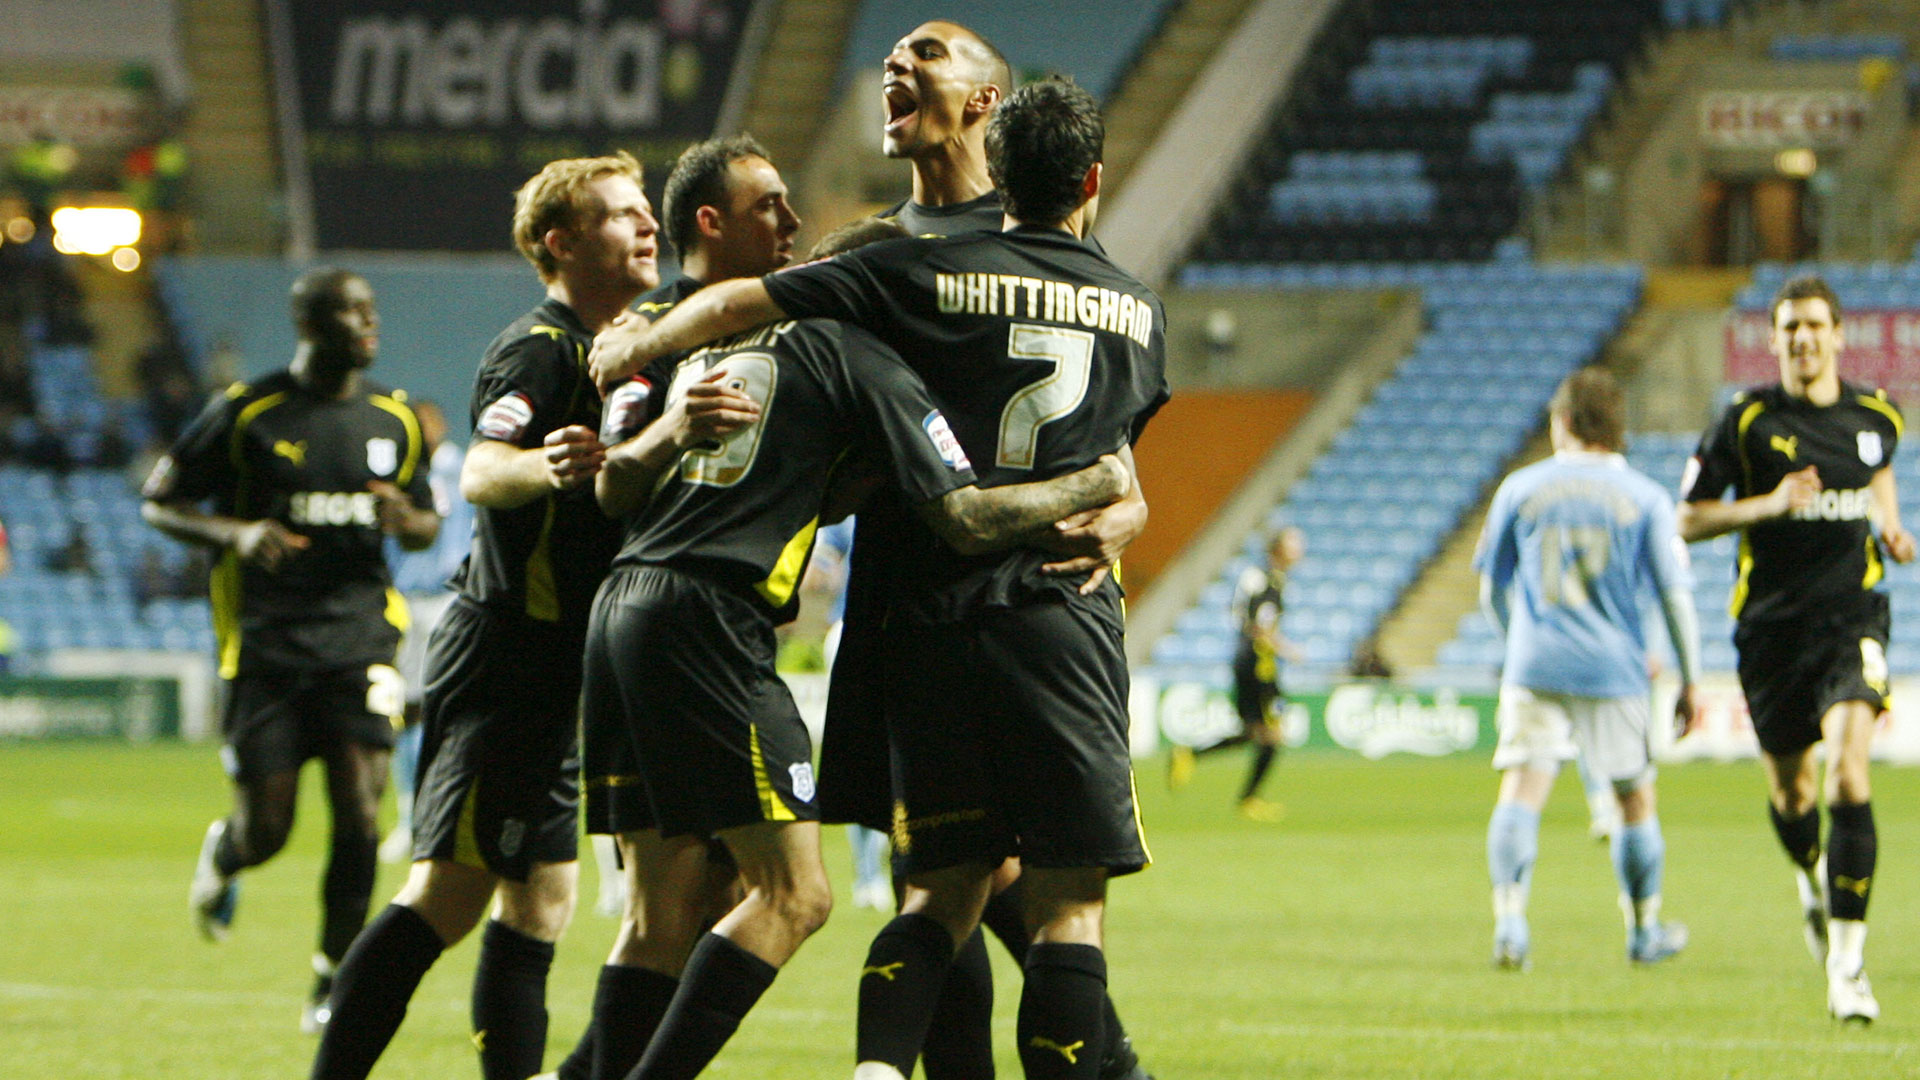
(1167, 66)
(793, 79)
(235, 193)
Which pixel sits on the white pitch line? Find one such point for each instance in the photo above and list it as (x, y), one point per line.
(1557, 1035)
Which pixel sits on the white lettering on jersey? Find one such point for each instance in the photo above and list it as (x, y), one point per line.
(1052, 301)
(506, 420)
(945, 441)
(1837, 505)
(334, 508)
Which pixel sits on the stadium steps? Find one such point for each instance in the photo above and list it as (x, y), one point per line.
(229, 130)
(1430, 610)
(119, 308)
(1673, 352)
(793, 74)
(1168, 65)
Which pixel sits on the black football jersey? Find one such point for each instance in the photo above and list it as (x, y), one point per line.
(272, 449)
(1826, 554)
(546, 558)
(955, 219)
(1043, 354)
(1261, 603)
(743, 511)
(639, 401)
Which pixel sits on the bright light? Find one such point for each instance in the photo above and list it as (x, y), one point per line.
(1798, 164)
(126, 259)
(20, 230)
(94, 230)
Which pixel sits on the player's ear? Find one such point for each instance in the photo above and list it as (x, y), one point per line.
(558, 242)
(981, 102)
(707, 220)
(1090, 183)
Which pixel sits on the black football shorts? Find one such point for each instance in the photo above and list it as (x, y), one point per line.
(686, 668)
(1793, 671)
(1009, 735)
(499, 776)
(1254, 698)
(275, 720)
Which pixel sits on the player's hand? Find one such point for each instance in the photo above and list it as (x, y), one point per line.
(615, 356)
(1686, 712)
(714, 408)
(1797, 491)
(392, 508)
(1898, 542)
(574, 454)
(266, 543)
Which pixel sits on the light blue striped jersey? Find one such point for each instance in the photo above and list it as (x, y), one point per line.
(1579, 539)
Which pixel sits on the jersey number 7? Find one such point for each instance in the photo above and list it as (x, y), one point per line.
(1053, 396)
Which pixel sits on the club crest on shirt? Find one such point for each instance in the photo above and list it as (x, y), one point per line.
(383, 455)
(1870, 449)
(513, 832)
(945, 442)
(801, 773)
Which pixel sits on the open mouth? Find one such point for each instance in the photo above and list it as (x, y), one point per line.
(901, 104)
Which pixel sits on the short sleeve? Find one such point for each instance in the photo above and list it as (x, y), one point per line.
(1715, 465)
(857, 286)
(893, 412)
(526, 389)
(200, 462)
(1498, 553)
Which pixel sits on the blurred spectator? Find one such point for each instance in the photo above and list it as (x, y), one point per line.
(1367, 662)
(155, 580)
(75, 556)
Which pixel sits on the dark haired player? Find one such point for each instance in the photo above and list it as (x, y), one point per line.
(725, 212)
(1809, 462)
(681, 652)
(495, 817)
(307, 470)
(1011, 739)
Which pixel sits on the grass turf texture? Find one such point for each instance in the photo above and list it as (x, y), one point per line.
(1350, 940)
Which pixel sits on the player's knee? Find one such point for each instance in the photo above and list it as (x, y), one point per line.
(263, 835)
(802, 904)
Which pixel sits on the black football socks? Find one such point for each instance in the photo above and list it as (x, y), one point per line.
(960, 1045)
(1062, 1021)
(900, 985)
(347, 891)
(371, 990)
(1263, 756)
(1852, 850)
(1800, 836)
(510, 1002)
(720, 984)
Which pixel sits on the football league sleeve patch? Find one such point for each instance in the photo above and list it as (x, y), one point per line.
(506, 419)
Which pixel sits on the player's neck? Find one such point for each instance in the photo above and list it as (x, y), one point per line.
(594, 307)
(1821, 391)
(951, 173)
(323, 375)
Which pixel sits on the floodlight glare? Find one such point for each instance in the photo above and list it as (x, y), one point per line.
(94, 230)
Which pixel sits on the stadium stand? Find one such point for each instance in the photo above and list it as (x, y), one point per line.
(1421, 454)
(1423, 129)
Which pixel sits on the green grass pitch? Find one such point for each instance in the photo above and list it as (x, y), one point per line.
(1349, 940)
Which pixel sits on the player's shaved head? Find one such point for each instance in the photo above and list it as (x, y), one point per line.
(990, 64)
(317, 293)
(1590, 404)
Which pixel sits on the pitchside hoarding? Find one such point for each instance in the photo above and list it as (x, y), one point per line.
(411, 122)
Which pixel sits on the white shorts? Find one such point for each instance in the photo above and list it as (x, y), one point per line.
(1540, 728)
(423, 613)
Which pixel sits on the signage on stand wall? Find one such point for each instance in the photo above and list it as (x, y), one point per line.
(1780, 119)
(415, 121)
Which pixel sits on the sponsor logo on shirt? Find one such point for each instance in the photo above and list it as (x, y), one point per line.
(334, 508)
(1837, 505)
(506, 419)
(944, 441)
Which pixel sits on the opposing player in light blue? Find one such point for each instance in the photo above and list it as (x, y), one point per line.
(1571, 546)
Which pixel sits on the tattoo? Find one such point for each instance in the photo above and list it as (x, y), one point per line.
(976, 520)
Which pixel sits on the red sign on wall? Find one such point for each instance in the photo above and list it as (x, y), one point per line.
(1766, 120)
(1883, 349)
